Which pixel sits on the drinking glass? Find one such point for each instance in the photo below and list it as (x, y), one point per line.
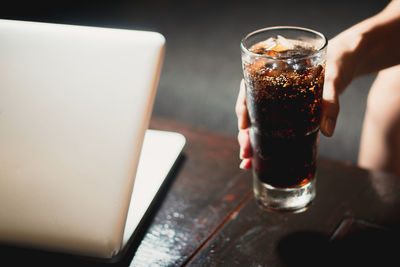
(284, 70)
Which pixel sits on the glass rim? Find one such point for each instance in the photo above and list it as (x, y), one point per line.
(247, 51)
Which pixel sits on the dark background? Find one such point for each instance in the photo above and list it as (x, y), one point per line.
(202, 68)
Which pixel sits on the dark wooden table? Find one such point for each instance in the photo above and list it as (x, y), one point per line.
(206, 216)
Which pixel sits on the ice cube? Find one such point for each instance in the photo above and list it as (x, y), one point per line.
(282, 47)
(273, 46)
(283, 42)
(293, 53)
(269, 43)
(262, 47)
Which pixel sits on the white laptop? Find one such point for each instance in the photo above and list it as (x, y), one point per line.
(75, 104)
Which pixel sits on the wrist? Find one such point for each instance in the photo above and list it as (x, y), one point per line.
(378, 38)
(360, 47)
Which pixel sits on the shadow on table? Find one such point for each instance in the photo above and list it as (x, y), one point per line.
(358, 244)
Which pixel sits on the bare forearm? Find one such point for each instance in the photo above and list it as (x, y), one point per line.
(379, 40)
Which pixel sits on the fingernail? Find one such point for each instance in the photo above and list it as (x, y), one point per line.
(329, 126)
(242, 165)
(241, 153)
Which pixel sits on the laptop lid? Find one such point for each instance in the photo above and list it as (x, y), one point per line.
(75, 103)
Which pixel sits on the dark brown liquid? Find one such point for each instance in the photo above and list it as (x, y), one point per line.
(285, 110)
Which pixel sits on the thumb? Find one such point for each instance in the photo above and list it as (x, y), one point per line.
(330, 109)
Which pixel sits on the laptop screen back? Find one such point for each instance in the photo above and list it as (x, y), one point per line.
(74, 106)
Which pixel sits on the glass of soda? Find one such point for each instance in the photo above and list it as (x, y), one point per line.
(284, 70)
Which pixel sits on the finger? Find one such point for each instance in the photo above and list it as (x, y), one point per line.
(330, 109)
(244, 142)
(245, 164)
(241, 108)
